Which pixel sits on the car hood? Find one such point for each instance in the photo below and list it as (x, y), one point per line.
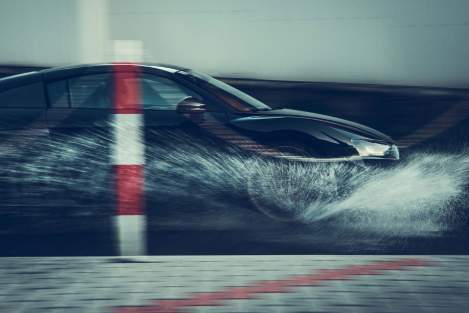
(365, 130)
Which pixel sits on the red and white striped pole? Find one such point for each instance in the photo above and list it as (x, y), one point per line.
(128, 160)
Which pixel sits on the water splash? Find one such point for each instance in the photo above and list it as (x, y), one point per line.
(418, 196)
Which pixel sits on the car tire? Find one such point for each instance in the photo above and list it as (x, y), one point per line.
(256, 184)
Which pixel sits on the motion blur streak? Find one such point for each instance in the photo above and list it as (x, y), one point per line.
(416, 196)
(420, 195)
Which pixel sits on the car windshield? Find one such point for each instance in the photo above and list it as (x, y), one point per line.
(254, 104)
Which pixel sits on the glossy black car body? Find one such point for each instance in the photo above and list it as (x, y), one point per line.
(72, 110)
(71, 99)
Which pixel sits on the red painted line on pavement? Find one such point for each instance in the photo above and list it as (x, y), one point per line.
(129, 189)
(218, 298)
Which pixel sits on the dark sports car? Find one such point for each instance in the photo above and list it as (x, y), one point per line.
(74, 99)
(62, 99)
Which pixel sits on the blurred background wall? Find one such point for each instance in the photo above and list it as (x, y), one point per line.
(405, 42)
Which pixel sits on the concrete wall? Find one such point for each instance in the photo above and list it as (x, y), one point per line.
(53, 32)
(38, 32)
(415, 42)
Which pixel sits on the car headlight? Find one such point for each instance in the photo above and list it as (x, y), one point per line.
(372, 149)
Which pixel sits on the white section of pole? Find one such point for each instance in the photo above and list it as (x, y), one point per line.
(131, 234)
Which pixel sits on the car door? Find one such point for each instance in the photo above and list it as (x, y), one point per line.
(176, 144)
(78, 117)
(22, 114)
(22, 130)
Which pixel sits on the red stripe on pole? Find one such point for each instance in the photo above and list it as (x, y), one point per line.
(129, 178)
(126, 89)
(218, 298)
(129, 189)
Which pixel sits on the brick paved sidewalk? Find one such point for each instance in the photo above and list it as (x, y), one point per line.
(235, 284)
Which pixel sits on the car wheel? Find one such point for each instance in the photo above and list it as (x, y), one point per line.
(275, 192)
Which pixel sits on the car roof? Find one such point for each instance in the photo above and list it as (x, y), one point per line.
(74, 70)
(63, 72)
(20, 80)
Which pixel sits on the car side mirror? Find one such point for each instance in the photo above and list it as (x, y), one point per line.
(191, 105)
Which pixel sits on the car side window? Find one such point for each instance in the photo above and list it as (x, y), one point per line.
(91, 91)
(161, 93)
(88, 91)
(96, 92)
(58, 94)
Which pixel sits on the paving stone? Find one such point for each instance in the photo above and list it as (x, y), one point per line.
(101, 284)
